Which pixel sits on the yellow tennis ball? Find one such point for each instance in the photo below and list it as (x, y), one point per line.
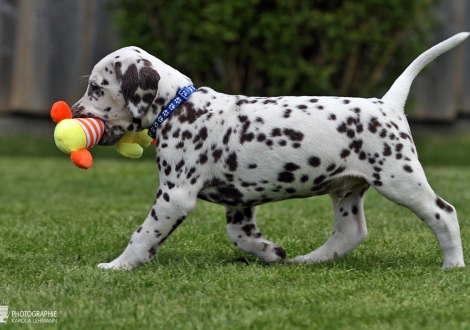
(69, 136)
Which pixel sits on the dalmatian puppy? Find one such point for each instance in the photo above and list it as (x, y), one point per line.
(241, 152)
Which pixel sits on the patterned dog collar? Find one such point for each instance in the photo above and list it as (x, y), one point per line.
(183, 95)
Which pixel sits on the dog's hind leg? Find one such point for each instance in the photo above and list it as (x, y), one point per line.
(243, 232)
(409, 188)
(349, 231)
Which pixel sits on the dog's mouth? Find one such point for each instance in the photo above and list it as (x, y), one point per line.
(111, 136)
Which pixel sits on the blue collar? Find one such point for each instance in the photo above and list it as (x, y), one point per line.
(183, 95)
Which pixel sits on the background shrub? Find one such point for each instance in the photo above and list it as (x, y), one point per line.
(281, 47)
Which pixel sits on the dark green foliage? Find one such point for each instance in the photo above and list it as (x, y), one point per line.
(280, 47)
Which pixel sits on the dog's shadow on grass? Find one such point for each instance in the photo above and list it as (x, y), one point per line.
(363, 261)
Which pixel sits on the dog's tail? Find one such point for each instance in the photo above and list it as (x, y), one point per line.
(398, 93)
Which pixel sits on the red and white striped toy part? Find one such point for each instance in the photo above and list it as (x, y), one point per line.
(93, 128)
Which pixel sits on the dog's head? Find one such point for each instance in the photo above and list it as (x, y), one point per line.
(121, 90)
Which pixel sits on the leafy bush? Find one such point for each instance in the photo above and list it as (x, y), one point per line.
(281, 47)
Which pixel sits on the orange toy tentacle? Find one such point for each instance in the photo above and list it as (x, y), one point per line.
(82, 158)
(60, 111)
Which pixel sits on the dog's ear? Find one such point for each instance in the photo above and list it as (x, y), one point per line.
(139, 84)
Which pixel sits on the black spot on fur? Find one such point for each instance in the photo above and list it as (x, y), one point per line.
(338, 171)
(242, 118)
(374, 125)
(166, 197)
(231, 162)
(350, 133)
(276, 132)
(314, 161)
(226, 137)
(246, 136)
(280, 252)
(342, 128)
(168, 170)
(387, 150)
(285, 177)
(291, 167)
(179, 166)
(293, 135)
(356, 145)
(216, 154)
(355, 210)
(345, 153)
(383, 133)
(203, 158)
(248, 229)
(319, 179)
(408, 168)
(405, 136)
(443, 205)
(187, 135)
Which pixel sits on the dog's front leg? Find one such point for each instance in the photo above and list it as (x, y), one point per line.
(170, 209)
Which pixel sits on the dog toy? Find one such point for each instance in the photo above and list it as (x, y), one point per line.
(132, 145)
(76, 136)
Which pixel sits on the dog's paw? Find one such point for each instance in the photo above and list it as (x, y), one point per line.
(115, 265)
(269, 252)
(456, 264)
(307, 259)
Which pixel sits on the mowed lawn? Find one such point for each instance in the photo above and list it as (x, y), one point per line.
(58, 222)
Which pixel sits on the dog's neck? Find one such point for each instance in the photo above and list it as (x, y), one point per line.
(171, 81)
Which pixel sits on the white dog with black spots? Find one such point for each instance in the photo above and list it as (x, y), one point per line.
(241, 152)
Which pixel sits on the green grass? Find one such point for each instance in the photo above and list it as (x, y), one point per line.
(59, 222)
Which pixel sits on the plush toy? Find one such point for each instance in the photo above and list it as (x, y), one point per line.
(76, 136)
(132, 145)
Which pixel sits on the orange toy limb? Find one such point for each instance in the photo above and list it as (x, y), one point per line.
(60, 111)
(81, 158)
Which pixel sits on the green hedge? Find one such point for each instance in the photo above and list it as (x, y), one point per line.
(281, 47)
